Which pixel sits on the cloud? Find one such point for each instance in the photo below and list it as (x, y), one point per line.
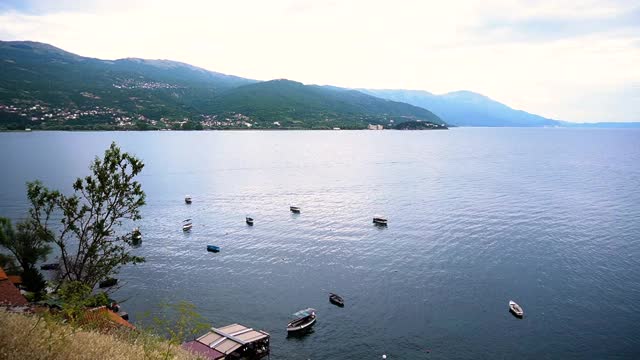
(621, 21)
(538, 55)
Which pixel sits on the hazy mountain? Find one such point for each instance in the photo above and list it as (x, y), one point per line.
(465, 108)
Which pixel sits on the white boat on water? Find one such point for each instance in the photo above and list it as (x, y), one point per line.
(515, 309)
(294, 209)
(186, 225)
(187, 199)
(304, 320)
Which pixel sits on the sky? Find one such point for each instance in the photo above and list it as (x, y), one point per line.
(574, 60)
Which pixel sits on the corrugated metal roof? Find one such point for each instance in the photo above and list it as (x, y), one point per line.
(203, 350)
(227, 346)
(229, 338)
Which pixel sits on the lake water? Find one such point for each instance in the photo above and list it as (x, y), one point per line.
(547, 217)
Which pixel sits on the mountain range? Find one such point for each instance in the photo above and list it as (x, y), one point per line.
(42, 86)
(466, 108)
(45, 87)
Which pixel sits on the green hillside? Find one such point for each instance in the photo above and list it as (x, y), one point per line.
(293, 104)
(43, 87)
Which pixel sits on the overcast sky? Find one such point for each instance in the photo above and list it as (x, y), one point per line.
(565, 59)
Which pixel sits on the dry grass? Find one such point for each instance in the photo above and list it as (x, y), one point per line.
(41, 337)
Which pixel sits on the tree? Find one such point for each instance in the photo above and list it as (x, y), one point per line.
(28, 245)
(7, 262)
(179, 322)
(90, 248)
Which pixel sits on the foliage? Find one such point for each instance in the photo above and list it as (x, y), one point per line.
(8, 263)
(28, 245)
(75, 297)
(90, 249)
(99, 299)
(45, 337)
(418, 125)
(33, 281)
(179, 322)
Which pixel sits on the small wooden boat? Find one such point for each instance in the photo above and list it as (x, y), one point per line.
(213, 248)
(187, 199)
(380, 220)
(249, 220)
(52, 266)
(108, 282)
(336, 299)
(515, 309)
(294, 209)
(186, 225)
(304, 320)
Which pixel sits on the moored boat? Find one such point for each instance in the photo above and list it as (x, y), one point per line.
(380, 220)
(304, 320)
(108, 282)
(516, 309)
(186, 225)
(52, 266)
(294, 209)
(249, 220)
(336, 299)
(213, 248)
(187, 199)
(136, 235)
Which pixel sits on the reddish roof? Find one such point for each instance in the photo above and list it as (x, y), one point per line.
(10, 295)
(105, 317)
(15, 279)
(3, 275)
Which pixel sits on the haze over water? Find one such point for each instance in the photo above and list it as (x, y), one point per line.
(547, 217)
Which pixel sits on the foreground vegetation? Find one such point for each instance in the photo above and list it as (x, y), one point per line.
(86, 227)
(43, 337)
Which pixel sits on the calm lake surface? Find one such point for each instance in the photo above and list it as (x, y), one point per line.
(547, 217)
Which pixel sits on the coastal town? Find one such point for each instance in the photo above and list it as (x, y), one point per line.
(43, 117)
(38, 115)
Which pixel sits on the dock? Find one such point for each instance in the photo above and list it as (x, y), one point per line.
(233, 341)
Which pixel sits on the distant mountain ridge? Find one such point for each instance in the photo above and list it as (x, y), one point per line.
(466, 108)
(42, 86)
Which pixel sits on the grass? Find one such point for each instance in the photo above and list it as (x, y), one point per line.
(44, 337)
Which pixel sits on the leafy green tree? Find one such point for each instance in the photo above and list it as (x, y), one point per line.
(141, 125)
(7, 262)
(28, 245)
(91, 247)
(178, 322)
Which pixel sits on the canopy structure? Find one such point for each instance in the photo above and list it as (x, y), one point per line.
(304, 313)
(234, 339)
